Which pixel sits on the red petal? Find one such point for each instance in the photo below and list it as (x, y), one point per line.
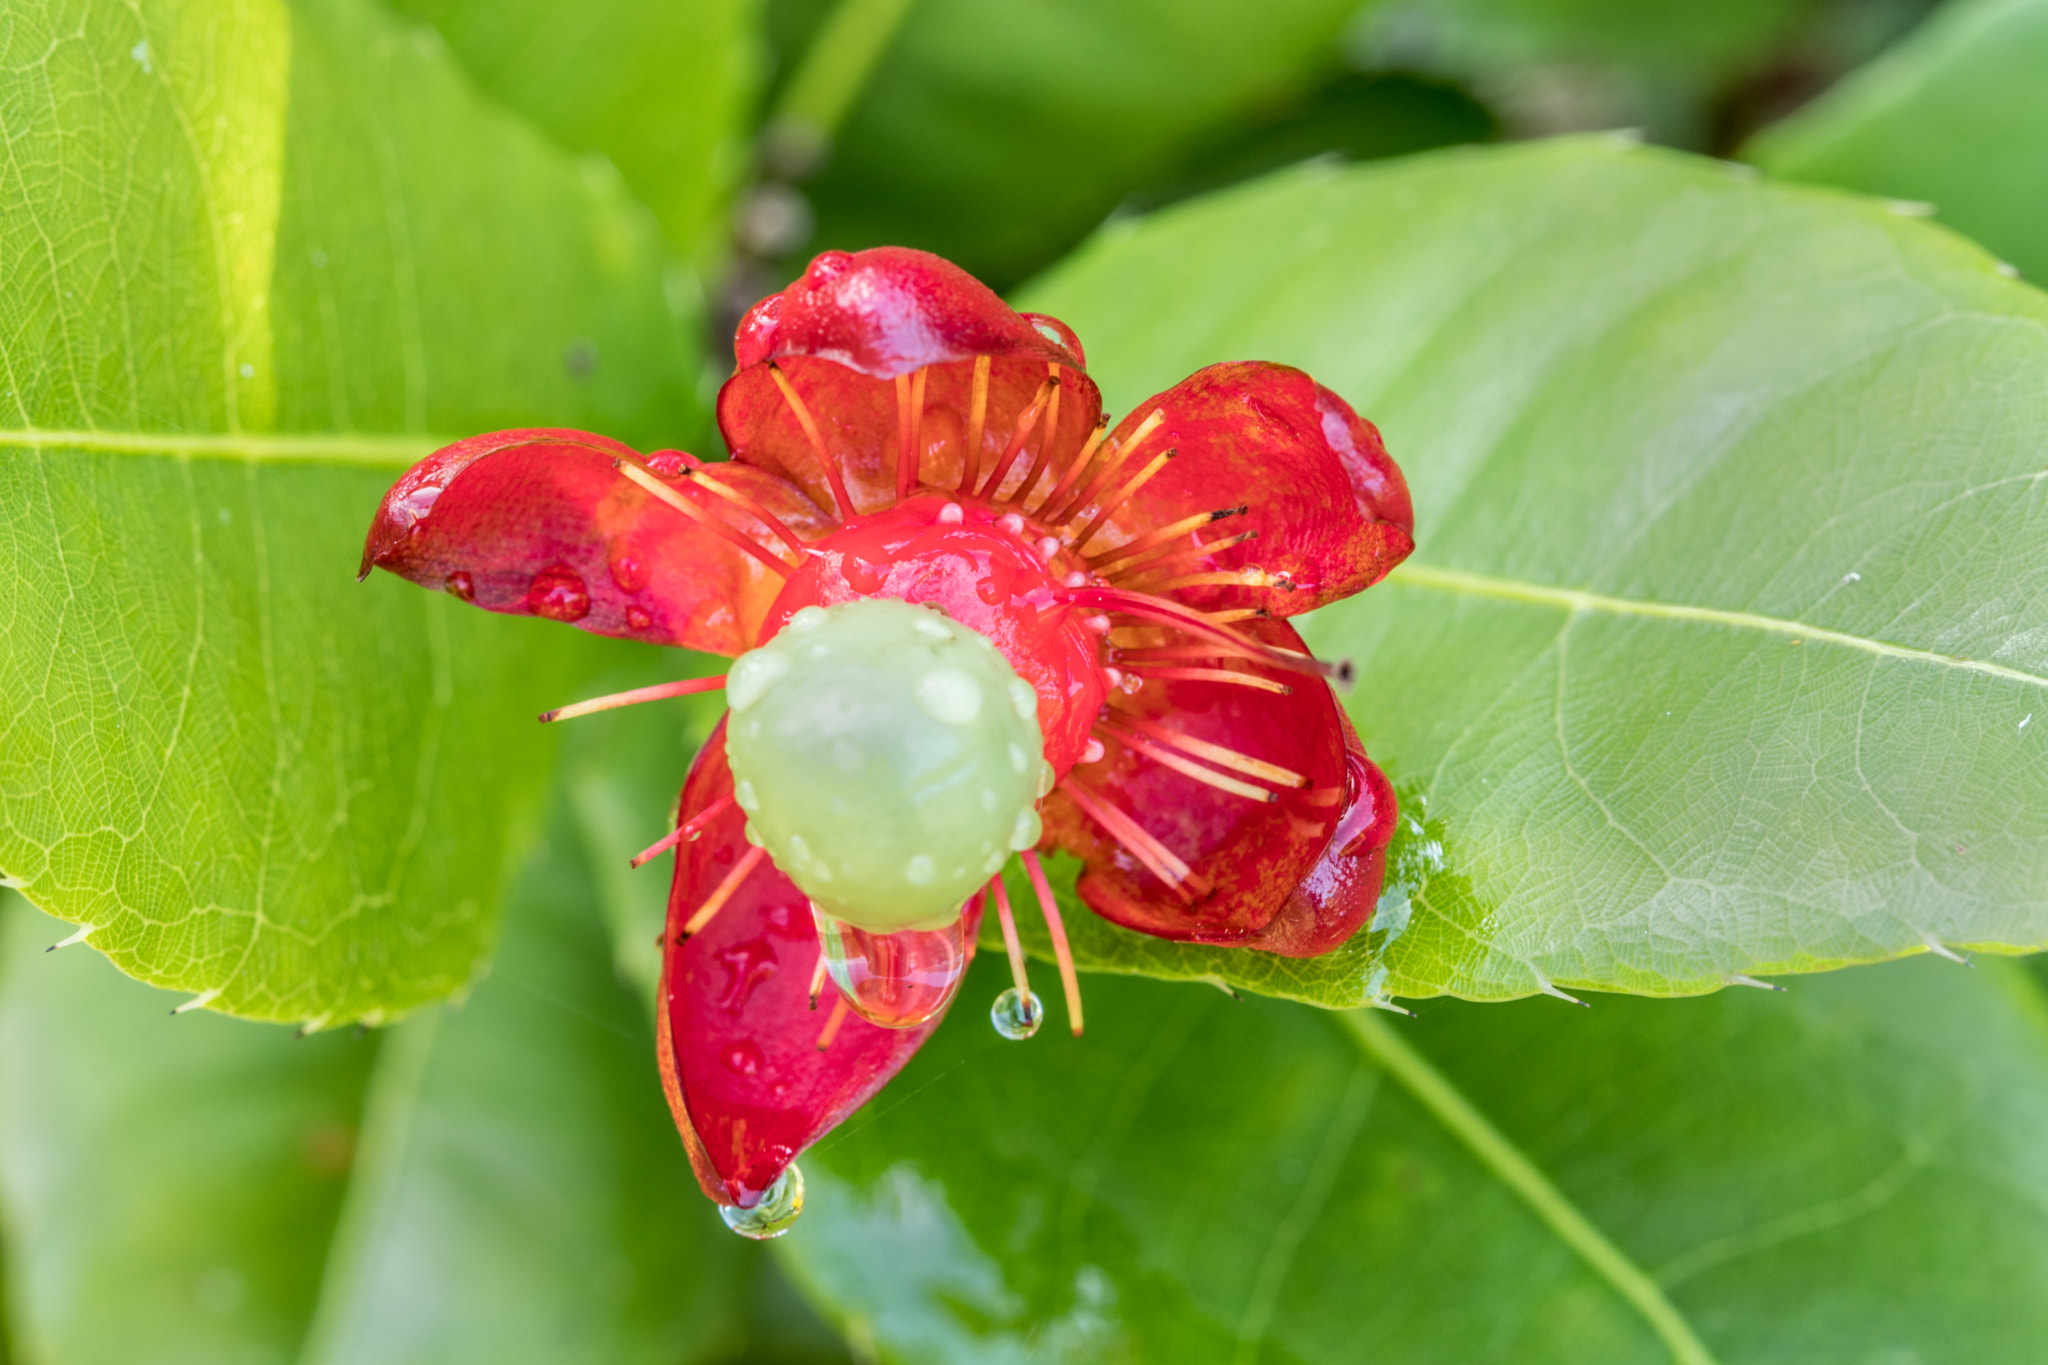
(1339, 893)
(842, 334)
(1246, 856)
(1330, 507)
(539, 523)
(737, 1040)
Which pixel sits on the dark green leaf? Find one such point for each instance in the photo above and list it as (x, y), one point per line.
(1956, 117)
(1724, 650)
(259, 257)
(1845, 1172)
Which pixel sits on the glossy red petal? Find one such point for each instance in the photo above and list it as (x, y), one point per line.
(736, 1039)
(1330, 508)
(838, 340)
(1246, 857)
(1338, 895)
(540, 523)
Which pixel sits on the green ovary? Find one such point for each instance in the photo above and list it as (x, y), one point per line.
(887, 757)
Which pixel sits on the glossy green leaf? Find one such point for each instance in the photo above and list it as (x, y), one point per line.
(996, 132)
(663, 91)
(257, 256)
(1724, 650)
(1956, 117)
(1848, 1171)
(505, 1187)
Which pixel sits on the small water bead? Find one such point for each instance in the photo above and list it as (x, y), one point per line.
(897, 980)
(559, 594)
(1016, 1016)
(775, 1214)
(884, 777)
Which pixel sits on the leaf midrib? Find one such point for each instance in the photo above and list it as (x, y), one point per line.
(1449, 1106)
(1579, 601)
(277, 448)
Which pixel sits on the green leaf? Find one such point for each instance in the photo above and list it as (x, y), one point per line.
(1844, 1172)
(1956, 116)
(663, 91)
(996, 132)
(515, 1192)
(1725, 647)
(259, 257)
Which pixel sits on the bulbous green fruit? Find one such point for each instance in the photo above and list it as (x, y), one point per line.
(887, 757)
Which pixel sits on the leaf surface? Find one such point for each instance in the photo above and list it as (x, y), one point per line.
(1844, 1172)
(1955, 117)
(1724, 649)
(257, 257)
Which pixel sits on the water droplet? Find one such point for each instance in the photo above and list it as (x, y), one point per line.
(628, 570)
(744, 796)
(1012, 523)
(949, 695)
(919, 870)
(1030, 826)
(897, 980)
(775, 1214)
(636, 619)
(807, 618)
(1047, 778)
(751, 675)
(1016, 1016)
(417, 503)
(460, 587)
(951, 514)
(743, 1058)
(558, 594)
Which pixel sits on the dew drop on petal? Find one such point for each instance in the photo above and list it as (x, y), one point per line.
(951, 514)
(628, 570)
(775, 1214)
(559, 594)
(1016, 1016)
(637, 619)
(1012, 523)
(897, 980)
(460, 587)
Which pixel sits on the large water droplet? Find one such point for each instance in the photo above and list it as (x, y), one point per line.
(1016, 1016)
(897, 980)
(775, 1214)
(559, 594)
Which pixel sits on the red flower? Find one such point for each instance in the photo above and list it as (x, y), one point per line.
(898, 432)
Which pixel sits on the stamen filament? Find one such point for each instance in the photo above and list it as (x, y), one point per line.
(701, 473)
(1048, 906)
(817, 980)
(1164, 555)
(977, 420)
(1159, 753)
(1131, 551)
(1236, 614)
(1243, 578)
(1165, 611)
(1011, 943)
(803, 419)
(840, 1009)
(658, 692)
(715, 902)
(1045, 442)
(652, 482)
(1124, 495)
(903, 455)
(1117, 455)
(910, 429)
(682, 832)
(1027, 422)
(1074, 470)
(1161, 861)
(1229, 676)
(1120, 722)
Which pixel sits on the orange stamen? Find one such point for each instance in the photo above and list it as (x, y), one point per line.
(1027, 422)
(1161, 861)
(817, 980)
(803, 419)
(652, 482)
(683, 832)
(1117, 455)
(1074, 470)
(1159, 753)
(1045, 442)
(1050, 908)
(977, 419)
(715, 902)
(1120, 723)
(909, 430)
(831, 1029)
(695, 469)
(1131, 551)
(1228, 676)
(1242, 578)
(658, 692)
(1124, 495)
(1236, 614)
(1011, 943)
(1164, 611)
(1163, 555)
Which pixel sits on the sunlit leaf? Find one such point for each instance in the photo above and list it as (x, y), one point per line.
(258, 256)
(1725, 646)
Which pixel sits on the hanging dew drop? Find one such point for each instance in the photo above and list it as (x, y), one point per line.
(897, 980)
(1016, 1016)
(775, 1214)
